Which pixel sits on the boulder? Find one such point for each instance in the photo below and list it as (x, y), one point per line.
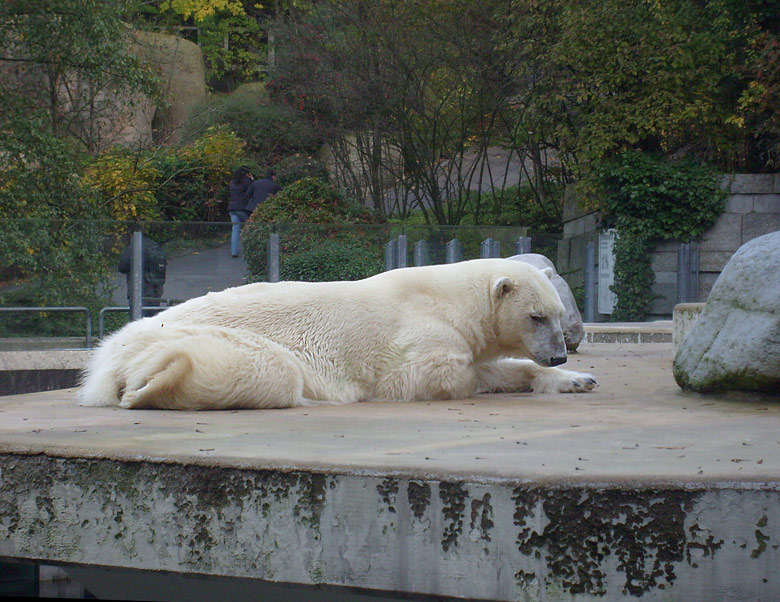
(180, 66)
(735, 343)
(573, 330)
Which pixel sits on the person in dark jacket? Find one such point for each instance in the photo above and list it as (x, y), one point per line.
(260, 190)
(237, 210)
(155, 265)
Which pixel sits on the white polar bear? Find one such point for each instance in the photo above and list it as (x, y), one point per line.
(435, 332)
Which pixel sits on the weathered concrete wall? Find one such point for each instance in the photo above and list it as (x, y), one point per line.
(497, 539)
(30, 371)
(752, 209)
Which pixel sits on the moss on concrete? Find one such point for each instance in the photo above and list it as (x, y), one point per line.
(453, 498)
(419, 498)
(644, 530)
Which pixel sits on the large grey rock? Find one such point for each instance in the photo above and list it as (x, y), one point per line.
(179, 63)
(736, 341)
(573, 330)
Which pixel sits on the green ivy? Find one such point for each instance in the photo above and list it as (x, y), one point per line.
(650, 199)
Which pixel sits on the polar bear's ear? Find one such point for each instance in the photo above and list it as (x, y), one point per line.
(501, 287)
(548, 272)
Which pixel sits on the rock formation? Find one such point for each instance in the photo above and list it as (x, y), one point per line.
(736, 341)
(573, 330)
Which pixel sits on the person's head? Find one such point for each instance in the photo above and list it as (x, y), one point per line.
(270, 174)
(241, 173)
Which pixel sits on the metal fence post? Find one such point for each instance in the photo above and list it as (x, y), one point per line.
(454, 251)
(137, 274)
(490, 248)
(683, 272)
(401, 260)
(272, 259)
(590, 282)
(523, 245)
(693, 285)
(391, 255)
(421, 255)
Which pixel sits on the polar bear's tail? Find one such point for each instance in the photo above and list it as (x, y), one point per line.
(203, 367)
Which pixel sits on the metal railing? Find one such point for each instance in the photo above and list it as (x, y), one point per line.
(85, 310)
(124, 309)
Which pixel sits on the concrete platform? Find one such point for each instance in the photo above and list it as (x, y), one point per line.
(635, 491)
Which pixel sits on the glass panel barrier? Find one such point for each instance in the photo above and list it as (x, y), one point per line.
(84, 266)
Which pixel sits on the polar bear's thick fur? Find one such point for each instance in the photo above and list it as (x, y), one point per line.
(436, 332)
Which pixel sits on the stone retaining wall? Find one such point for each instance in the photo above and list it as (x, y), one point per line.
(752, 210)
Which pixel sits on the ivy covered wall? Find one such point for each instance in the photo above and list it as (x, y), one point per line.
(752, 209)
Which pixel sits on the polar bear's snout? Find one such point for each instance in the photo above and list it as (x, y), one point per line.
(550, 347)
(557, 361)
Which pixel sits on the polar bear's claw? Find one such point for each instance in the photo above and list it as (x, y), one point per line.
(584, 382)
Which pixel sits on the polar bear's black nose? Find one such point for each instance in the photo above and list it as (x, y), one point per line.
(557, 361)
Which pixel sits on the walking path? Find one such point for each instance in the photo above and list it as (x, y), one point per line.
(194, 274)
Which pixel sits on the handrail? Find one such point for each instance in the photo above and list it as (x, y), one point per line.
(42, 309)
(122, 308)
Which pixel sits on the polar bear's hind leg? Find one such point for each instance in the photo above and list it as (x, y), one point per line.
(161, 388)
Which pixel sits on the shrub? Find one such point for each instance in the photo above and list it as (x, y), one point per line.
(182, 193)
(314, 220)
(185, 183)
(217, 152)
(270, 131)
(54, 263)
(332, 259)
(295, 167)
(312, 201)
(127, 183)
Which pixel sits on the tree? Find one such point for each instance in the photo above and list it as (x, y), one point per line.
(70, 59)
(661, 77)
(232, 35)
(405, 93)
(64, 69)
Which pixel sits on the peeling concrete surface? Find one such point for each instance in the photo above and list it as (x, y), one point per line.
(496, 541)
(634, 492)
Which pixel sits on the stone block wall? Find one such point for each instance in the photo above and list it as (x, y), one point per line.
(752, 209)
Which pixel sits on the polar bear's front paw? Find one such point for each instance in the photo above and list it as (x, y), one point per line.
(556, 380)
(581, 382)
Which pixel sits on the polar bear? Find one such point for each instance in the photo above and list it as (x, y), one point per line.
(423, 333)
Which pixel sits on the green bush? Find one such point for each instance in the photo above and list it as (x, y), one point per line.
(52, 263)
(181, 196)
(308, 214)
(332, 259)
(312, 201)
(271, 131)
(295, 167)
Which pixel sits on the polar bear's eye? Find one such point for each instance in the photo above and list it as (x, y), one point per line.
(538, 319)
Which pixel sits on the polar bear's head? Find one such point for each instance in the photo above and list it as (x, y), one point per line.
(528, 314)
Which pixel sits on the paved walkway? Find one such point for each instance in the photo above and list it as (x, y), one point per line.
(194, 274)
